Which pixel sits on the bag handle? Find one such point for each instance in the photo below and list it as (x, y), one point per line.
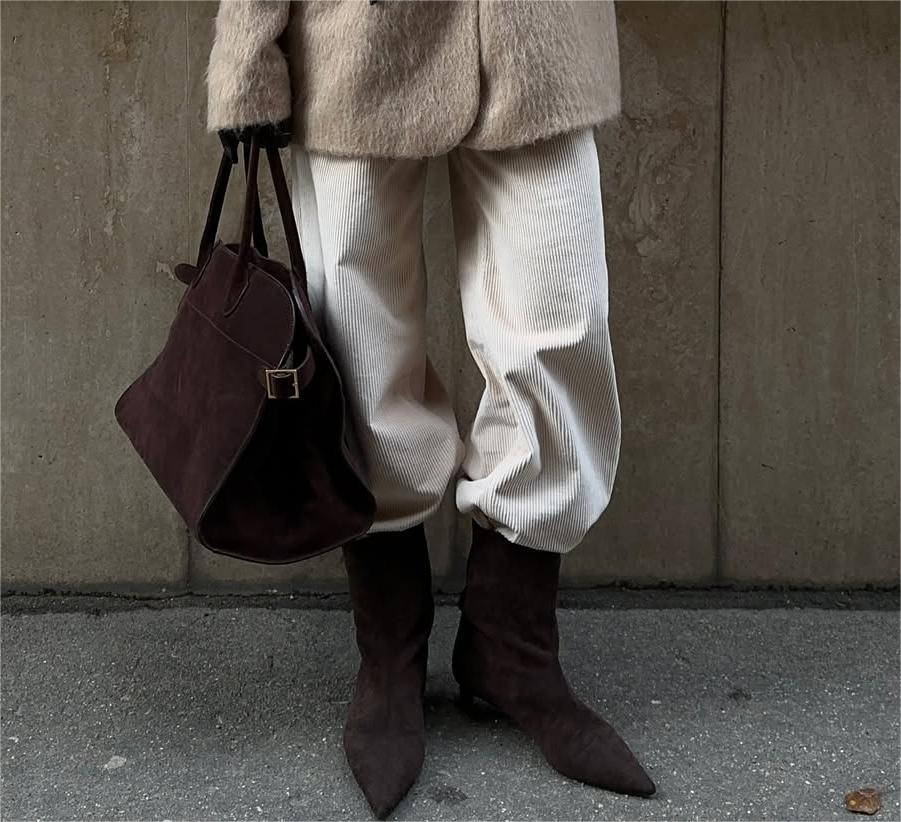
(251, 203)
(286, 209)
(259, 236)
(251, 221)
(217, 201)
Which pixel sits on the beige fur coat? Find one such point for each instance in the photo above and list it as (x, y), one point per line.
(409, 78)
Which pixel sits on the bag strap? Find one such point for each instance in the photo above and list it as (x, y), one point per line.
(289, 224)
(217, 200)
(259, 236)
(251, 221)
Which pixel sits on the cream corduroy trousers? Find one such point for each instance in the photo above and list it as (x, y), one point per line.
(540, 459)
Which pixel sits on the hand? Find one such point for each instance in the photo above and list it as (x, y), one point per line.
(277, 135)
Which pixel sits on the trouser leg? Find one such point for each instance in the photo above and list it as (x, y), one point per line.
(361, 230)
(542, 453)
(543, 450)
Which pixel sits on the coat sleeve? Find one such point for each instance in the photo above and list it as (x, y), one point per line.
(247, 78)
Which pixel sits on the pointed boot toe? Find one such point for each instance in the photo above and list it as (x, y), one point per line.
(629, 777)
(638, 783)
(584, 747)
(385, 768)
(626, 774)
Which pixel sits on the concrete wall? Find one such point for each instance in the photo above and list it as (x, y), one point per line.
(751, 195)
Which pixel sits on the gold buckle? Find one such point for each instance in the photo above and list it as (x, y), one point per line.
(282, 372)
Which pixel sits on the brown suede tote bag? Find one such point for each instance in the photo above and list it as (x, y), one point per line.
(241, 417)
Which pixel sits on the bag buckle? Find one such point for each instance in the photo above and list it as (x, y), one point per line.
(276, 379)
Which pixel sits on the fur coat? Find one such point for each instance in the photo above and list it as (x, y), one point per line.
(407, 78)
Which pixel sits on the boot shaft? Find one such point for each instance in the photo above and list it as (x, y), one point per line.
(390, 582)
(511, 591)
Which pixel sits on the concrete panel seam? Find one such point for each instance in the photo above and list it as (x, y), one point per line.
(718, 560)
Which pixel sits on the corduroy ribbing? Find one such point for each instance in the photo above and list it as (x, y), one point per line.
(540, 459)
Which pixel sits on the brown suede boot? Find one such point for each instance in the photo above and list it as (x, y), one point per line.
(506, 655)
(391, 592)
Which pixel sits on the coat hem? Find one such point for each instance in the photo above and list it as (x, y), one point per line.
(350, 149)
(333, 149)
(556, 130)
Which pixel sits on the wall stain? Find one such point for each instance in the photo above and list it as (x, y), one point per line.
(119, 48)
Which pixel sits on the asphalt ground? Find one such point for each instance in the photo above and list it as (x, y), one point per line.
(228, 710)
